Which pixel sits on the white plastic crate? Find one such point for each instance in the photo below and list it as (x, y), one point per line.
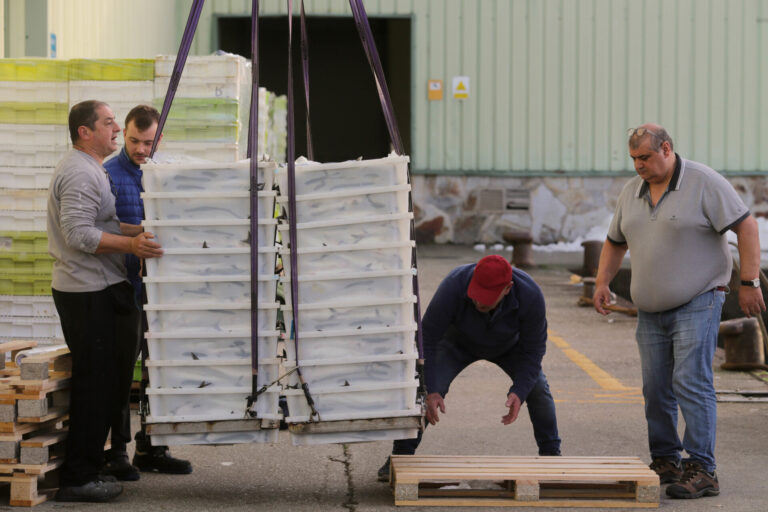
(211, 262)
(205, 177)
(202, 66)
(112, 91)
(30, 327)
(338, 315)
(32, 156)
(53, 92)
(39, 135)
(26, 177)
(210, 403)
(198, 290)
(24, 200)
(351, 258)
(265, 435)
(215, 317)
(216, 233)
(14, 220)
(205, 87)
(201, 374)
(27, 306)
(397, 339)
(378, 400)
(359, 230)
(312, 178)
(356, 370)
(209, 345)
(349, 204)
(206, 205)
(214, 151)
(347, 286)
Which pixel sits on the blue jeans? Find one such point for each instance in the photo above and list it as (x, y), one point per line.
(452, 359)
(676, 349)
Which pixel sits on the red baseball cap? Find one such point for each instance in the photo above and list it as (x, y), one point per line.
(492, 274)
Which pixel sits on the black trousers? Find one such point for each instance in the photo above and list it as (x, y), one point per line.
(127, 356)
(97, 327)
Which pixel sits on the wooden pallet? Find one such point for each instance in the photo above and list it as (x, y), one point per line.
(32, 484)
(497, 481)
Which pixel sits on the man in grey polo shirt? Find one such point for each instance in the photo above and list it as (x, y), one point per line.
(673, 218)
(92, 294)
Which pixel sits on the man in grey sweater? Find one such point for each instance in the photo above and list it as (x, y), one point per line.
(93, 297)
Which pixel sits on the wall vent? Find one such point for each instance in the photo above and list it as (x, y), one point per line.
(495, 200)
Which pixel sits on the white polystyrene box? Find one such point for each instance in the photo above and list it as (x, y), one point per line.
(314, 178)
(113, 92)
(204, 87)
(214, 151)
(32, 155)
(34, 92)
(205, 177)
(360, 342)
(39, 135)
(25, 177)
(30, 327)
(202, 66)
(351, 258)
(210, 346)
(358, 230)
(196, 290)
(348, 204)
(211, 262)
(214, 233)
(354, 371)
(351, 286)
(15, 220)
(216, 317)
(23, 199)
(27, 305)
(351, 402)
(206, 205)
(339, 315)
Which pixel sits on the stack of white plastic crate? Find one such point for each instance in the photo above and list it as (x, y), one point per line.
(122, 83)
(356, 348)
(199, 299)
(210, 111)
(33, 137)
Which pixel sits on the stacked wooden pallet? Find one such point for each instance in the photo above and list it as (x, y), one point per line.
(498, 481)
(34, 402)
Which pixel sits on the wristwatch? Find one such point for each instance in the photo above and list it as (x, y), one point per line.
(754, 283)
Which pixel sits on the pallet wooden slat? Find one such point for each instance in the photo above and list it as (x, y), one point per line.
(499, 481)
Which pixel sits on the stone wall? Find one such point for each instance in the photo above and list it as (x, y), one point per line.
(454, 209)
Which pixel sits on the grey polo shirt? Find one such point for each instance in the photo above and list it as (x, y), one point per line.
(678, 249)
(80, 207)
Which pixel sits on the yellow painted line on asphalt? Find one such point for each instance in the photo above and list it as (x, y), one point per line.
(603, 378)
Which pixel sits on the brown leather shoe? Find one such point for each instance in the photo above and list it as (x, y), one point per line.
(695, 483)
(668, 469)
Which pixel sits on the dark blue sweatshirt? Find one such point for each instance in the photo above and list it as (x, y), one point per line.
(516, 329)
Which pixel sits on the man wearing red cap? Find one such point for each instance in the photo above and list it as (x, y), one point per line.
(487, 311)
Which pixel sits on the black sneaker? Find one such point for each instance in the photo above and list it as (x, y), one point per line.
(383, 474)
(159, 460)
(98, 490)
(695, 483)
(120, 468)
(668, 469)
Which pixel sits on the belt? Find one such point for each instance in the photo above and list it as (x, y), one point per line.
(720, 288)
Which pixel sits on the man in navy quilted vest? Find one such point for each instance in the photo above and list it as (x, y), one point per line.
(139, 133)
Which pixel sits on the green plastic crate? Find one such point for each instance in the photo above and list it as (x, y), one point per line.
(24, 262)
(23, 242)
(24, 284)
(200, 131)
(34, 70)
(208, 109)
(17, 112)
(112, 69)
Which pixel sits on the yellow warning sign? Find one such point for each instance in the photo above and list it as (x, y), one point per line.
(435, 90)
(461, 87)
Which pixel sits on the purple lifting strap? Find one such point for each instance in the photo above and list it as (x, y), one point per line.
(305, 69)
(369, 46)
(178, 67)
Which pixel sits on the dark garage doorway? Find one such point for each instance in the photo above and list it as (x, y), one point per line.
(347, 121)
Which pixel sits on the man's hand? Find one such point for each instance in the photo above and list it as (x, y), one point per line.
(602, 298)
(751, 300)
(143, 246)
(434, 402)
(513, 402)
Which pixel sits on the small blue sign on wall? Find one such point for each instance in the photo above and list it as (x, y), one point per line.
(53, 45)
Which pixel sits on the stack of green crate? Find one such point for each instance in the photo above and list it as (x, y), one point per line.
(34, 101)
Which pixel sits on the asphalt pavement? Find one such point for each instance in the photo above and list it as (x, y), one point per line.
(593, 370)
